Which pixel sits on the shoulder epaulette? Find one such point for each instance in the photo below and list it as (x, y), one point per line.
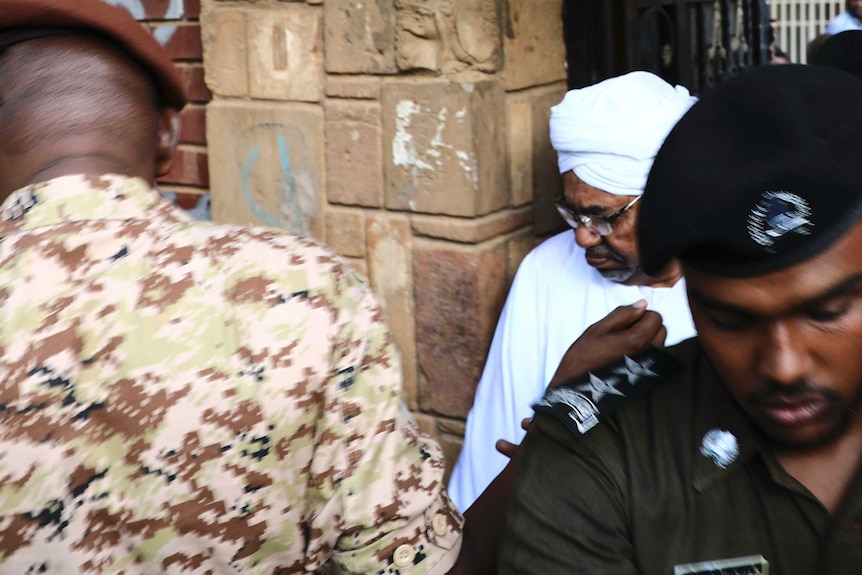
(582, 402)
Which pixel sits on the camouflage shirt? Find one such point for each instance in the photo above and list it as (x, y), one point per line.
(180, 397)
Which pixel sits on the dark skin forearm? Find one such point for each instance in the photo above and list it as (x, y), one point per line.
(483, 527)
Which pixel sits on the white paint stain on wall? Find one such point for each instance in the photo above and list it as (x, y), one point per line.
(175, 10)
(466, 161)
(437, 141)
(468, 164)
(404, 151)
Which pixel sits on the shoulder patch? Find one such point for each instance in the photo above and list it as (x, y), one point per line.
(583, 401)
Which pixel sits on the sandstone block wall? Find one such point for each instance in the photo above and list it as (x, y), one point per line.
(411, 135)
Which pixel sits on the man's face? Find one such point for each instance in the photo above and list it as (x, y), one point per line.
(615, 256)
(788, 344)
(855, 8)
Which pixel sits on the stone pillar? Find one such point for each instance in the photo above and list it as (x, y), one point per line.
(410, 135)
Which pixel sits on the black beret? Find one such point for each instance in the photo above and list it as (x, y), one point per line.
(842, 51)
(761, 174)
(22, 20)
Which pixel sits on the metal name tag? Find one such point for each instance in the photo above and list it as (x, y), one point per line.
(751, 565)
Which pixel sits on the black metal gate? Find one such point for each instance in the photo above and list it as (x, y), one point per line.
(696, 43)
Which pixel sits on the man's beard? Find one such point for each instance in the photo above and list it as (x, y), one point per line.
(620, 274)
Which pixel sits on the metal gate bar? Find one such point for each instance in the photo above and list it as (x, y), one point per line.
(698, 43)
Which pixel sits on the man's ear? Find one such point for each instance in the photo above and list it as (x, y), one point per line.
(169, 139)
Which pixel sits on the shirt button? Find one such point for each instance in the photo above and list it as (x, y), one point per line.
(404, 555)
(440, 525)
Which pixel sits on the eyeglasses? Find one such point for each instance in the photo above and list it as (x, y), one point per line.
(598, 224)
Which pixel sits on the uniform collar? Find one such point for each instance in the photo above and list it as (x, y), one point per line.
(80, 197)
(724, 441)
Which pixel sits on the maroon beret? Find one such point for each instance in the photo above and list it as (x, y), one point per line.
(21, 20)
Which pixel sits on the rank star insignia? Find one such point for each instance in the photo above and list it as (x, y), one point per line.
(599, 387)
(633, 370)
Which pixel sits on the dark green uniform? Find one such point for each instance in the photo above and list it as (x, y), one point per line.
(635, 493)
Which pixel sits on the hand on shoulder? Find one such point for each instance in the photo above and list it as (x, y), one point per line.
(625, 331)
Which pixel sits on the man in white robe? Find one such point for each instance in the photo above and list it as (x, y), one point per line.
(850, 19)
(606, 137)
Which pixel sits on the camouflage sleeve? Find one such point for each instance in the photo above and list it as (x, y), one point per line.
(376, 479)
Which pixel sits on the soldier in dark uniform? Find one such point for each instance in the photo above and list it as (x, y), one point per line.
(738, 451)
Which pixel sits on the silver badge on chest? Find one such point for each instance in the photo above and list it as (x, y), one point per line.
(721, 446)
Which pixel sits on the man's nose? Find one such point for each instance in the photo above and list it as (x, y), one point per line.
(586, 237)
(782, 355)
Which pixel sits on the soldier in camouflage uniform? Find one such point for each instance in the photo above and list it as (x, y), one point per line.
(179, 397)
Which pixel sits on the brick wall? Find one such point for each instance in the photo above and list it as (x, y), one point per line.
(175, 24)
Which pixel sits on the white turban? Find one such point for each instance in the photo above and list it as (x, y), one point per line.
(609, 133)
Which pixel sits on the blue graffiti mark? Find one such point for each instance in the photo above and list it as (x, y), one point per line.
(286, 164)
(295, 198)
(248, 165)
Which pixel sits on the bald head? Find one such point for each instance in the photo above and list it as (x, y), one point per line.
(76, 104)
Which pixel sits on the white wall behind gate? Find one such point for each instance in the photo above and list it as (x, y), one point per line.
(797, 22)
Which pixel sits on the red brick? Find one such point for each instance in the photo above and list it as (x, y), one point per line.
(193, 9)
(190, 169)
(158, 9)
(196, 87)
(154, 9)
(188, 201)
(194, 126)
(184, 42)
